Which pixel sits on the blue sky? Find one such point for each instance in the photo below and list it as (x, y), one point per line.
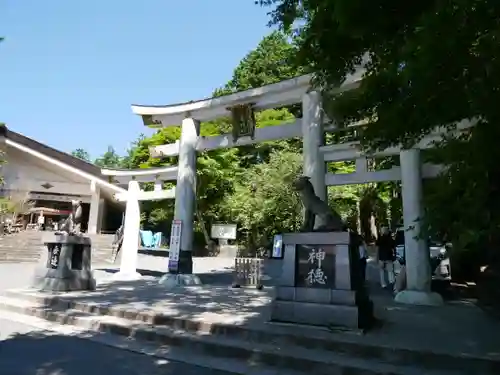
(70, 69)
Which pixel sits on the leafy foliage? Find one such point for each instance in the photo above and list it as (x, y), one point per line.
(427, 63)
(80, 153)
(110, 159)
(270, 62)
(263, 202)
(248, 185)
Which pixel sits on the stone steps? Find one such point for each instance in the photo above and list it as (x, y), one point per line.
(227, 367)
(28, 246)
(274, 346)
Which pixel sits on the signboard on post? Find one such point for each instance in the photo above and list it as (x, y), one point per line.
(223, 231)
(175, 245)
(277, 252)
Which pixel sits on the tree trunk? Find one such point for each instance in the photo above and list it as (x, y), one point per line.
(209, 244)
(373, 226)
(359, 227)
(368, 222)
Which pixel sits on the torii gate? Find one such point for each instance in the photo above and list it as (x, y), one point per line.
(134, 194)
(241, 106)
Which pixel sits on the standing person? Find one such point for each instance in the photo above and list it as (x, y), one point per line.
(41, 221)
(117, 243)
(386, 249)
(363, 257)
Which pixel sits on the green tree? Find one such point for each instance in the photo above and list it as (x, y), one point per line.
(80, 153)
(224, 188)
(270, 62)
(263, 202)
(110, 159)
(428, 63)
(127, 161)
(218, 170)
(215, 175)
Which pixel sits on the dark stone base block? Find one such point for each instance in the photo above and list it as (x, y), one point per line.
(315, 314)
(47, 283)
(322, 307)
(321, 282)
(185, 263)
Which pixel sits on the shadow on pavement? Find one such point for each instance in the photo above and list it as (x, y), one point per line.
(44, 353)
(154, 253)
(219, 277)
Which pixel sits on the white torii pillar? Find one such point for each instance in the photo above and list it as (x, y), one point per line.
(132, 225)
(185, 197)
(134, 194)
(313, 139)
(95, 214)
(418, 269)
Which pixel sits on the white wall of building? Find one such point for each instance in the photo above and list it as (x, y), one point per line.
(23, 172)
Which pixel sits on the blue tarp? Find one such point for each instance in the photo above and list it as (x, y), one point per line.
(157, 239)
(150, 240)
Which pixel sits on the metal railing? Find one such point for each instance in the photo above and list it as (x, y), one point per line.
(248, 272)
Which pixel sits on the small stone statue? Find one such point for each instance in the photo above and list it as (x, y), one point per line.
(72, 225)
(314, 206)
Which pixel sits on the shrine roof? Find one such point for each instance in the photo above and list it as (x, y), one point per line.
(141, 175)
(138, 172)
(274, 95)
(26, 144)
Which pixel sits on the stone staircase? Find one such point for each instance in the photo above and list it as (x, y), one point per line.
(232, 339)
(101, 248)
(22, 247)
(27, 247)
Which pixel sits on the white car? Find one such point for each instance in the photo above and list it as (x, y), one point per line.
(438, 252)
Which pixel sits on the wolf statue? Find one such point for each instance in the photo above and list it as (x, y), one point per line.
(73, 224)
(315, 207)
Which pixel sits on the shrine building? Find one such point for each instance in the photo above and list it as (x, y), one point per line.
(50, 179)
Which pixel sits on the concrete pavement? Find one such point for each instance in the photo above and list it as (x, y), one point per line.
(29, 346)
(25, 350)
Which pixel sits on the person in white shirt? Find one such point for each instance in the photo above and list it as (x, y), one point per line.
(363, 257)
(41, 222)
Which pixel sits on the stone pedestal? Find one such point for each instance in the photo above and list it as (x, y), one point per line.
(68, 265)
(227, 251)
(185, 262)
(320, 282)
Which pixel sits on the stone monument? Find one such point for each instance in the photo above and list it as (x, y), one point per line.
(73, 223)
(68, 264)
(320, 280)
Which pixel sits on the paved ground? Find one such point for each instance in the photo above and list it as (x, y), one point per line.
(25, 350)
(30, 350)
(18, 275)
(15, 275)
